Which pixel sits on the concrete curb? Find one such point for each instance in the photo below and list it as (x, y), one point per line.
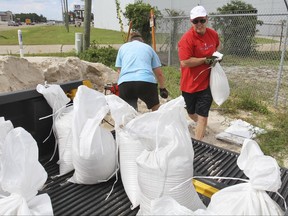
(36, 49)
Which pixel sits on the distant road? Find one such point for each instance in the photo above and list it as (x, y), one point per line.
(4, 26)
(36, 49)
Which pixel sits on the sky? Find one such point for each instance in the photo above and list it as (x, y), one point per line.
(51, 9)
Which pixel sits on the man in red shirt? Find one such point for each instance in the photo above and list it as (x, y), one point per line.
(195, 50)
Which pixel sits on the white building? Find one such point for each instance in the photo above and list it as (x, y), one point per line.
(6, 16)
(105, 13)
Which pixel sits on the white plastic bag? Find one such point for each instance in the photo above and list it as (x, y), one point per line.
(167, 161)
(219, 85)
(62, 123)
(63, 132)
(94, 151)
(166, 205)
(129, 147)
(22, 176)
(5, 128)
(250, 198)
(54, 95)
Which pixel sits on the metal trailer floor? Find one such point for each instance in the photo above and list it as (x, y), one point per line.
(74, 199)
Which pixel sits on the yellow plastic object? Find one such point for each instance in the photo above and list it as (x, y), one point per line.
(204, 189)
(71, 93)
(87, 83)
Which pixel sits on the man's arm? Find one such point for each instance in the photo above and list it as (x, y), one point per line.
(192, 62)
(118, 73)
(160, 77)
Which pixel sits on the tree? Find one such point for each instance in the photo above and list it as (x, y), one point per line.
(139, 14)
(238, 32)
(33, 16)
(87, 23)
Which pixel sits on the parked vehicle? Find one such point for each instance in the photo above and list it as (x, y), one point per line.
(28, 21)
(12, 23)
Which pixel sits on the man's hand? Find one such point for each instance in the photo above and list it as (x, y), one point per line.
(211, 60)
(163, 92)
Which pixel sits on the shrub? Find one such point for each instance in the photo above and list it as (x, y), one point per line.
(105, 55)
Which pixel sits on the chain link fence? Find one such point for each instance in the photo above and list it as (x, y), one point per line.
(254, 48)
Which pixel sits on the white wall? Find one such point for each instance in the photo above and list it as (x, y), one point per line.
(105, 11)
(105, 14)
(271, 6)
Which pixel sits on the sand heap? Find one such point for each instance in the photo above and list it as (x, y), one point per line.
(25, 73)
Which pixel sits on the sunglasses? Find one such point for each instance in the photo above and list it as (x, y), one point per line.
(195, 21)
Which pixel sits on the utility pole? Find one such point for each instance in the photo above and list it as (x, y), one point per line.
(87, 23)
(65, 15)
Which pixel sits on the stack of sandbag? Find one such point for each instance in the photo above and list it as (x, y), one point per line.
(249, 198)
(62, 123)
(22, 176)
(94, 151)
(129, 147)
(156, 153)
(5, 128)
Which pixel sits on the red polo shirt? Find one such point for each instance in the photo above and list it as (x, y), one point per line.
(192, 44)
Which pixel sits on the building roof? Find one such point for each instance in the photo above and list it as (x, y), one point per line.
(5, 13)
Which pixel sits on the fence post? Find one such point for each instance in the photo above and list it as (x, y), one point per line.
(78, 42)
(281, 66)
(169, 49)
(20, 43)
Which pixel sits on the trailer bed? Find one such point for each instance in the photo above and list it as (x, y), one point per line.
(24, 108)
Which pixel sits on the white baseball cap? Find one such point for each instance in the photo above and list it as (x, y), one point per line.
(198, 11)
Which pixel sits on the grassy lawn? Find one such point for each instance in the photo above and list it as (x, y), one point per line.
(41, 35)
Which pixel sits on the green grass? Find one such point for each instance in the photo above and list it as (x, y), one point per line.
(172, 80)
(260, 40)
(43, 35)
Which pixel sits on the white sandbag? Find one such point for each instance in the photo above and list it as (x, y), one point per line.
(63, 132)
(256, 165)
(219, 85)
(22, 176)
(129, 148)
(121, 111)
(5, 128)
(166, 205)
(15, 204)
(54, 95)
(167, 161)
(62, 123)
(94, 151)
(250, 198)
(238, 131)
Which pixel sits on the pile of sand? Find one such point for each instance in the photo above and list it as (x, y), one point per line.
(26, 73)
